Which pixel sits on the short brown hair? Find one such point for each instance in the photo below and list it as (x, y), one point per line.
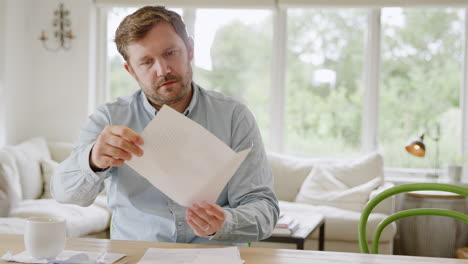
(135, 26)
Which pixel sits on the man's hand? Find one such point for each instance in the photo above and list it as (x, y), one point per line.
(205, 218)
(114, 146)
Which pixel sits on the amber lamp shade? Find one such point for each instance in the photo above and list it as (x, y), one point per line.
(416, 147)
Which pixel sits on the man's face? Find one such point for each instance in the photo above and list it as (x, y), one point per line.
(160, 63)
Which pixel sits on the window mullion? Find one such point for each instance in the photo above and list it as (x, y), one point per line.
(278, 75)
(369, 132)
(464, 93)
(100, 93)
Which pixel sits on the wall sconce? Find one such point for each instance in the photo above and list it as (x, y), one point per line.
(63, 33)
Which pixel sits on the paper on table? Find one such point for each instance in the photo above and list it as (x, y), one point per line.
(184, 160)
(67, 256)
(228, 255)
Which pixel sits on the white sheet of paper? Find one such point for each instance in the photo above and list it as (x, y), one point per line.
(228, 255)
(69, 256)
(184, 160)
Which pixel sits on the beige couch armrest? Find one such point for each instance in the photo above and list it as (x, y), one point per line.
(59, 151)
(387, 206)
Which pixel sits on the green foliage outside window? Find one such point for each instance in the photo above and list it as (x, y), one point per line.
(241, 65)
(324, 118)
(420, 83)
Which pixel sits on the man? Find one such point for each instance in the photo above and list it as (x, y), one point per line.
(157, 52)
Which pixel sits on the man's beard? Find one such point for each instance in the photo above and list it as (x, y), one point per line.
(155, 98)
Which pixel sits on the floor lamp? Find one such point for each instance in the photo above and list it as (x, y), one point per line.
(416, 147)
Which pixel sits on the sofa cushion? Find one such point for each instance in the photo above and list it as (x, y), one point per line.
(80, 221)
(289, 173)
(47, 168)
(27, 156)
(345, 186)
(10, 187)
(360, 171)
(12, 225)
(340, 224)
(4, 201)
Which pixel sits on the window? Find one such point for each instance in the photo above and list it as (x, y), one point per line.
(421, 71)
(324, 81)
(232, 56)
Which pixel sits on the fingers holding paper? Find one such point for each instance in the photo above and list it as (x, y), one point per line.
(114, 146)
(205, 218)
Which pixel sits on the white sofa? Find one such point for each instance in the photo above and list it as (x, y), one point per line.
(25, 170)
(289, 173)
(341, 218)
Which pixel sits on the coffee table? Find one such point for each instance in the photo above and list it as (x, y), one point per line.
(306, 228)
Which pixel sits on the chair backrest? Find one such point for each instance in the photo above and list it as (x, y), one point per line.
(406, 213)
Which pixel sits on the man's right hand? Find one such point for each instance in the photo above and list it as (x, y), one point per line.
(114, 146)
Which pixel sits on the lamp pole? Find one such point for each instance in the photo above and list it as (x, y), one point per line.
(436, 138)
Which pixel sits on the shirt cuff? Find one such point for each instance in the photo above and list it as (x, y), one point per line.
(85, 167)
(225, 232)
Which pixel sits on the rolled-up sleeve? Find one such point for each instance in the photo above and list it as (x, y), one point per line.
(253, 207)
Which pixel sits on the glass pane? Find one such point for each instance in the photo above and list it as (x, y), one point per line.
(121, 82)
(422, 53)
(233, 56)
(324, 81)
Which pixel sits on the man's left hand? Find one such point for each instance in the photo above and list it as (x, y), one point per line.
(205, 218)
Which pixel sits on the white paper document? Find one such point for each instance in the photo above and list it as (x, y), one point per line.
(228, 255)
(67, 257)
(184, 160)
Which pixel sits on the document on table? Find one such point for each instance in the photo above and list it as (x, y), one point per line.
(66, 257)
(228, 255)
(184, 160)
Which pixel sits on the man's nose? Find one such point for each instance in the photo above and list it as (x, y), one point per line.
(162, 68)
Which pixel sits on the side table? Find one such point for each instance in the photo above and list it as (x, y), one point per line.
(433, 236)
(306, 228)
(462, 253)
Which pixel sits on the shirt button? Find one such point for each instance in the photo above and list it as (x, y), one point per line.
(179, 223)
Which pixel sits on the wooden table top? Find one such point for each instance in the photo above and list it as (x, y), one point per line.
(136, 249)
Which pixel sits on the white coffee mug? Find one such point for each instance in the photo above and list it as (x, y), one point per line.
(45, 237)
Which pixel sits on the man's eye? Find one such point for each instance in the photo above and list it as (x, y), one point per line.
(146, 62)
(172, 52)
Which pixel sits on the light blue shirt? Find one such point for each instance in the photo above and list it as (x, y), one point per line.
(139, 210)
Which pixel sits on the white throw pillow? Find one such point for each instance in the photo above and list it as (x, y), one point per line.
(345, 186)
(47, 167)
(10, 185)
(27, 156)
(360, 171)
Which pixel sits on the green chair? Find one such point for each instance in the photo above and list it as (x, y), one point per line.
(406, 213)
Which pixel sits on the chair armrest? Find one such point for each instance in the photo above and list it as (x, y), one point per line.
(387, 206)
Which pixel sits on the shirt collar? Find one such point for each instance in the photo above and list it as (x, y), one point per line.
(193, 102)
(152, 111)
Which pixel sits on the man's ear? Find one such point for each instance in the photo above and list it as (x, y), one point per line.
(129, 69)
(190, 48)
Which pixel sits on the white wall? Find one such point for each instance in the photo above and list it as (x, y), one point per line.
(17, 69)
(2, 72)
(46, 92)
